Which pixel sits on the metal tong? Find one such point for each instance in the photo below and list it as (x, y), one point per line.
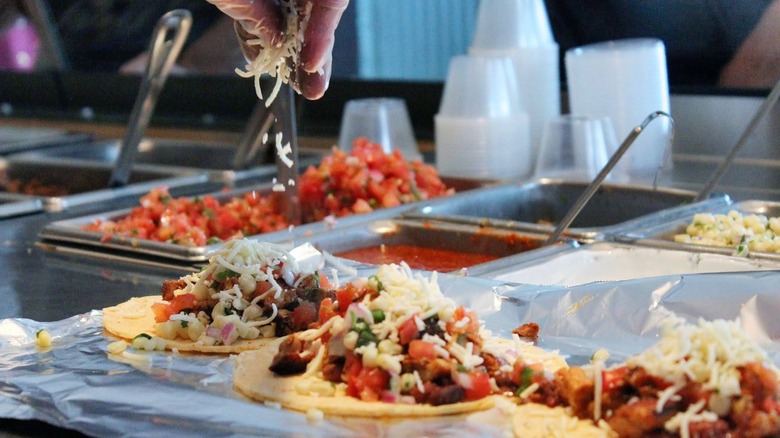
(763, 110)
(167, 41)
(594, 185)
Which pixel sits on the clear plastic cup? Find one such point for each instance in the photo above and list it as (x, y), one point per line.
(575, 148)
(511, 24)
(624, 80)
(382, 120)
(481, 129)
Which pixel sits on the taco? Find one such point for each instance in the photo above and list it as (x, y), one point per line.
(390, 345)
(708, 379)
(249, 294)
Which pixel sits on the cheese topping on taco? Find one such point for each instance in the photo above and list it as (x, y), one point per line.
(394, 338)
(249, 291)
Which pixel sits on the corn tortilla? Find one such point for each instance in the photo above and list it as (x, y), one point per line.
(133, 317)
(534, 420)
(253, 378)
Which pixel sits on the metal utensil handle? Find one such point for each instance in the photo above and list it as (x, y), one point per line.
(167, 41)
(594, 185)
(286, 123)
(767, 105)
(251, 144)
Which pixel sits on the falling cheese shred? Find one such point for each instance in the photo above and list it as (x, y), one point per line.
(279, 61)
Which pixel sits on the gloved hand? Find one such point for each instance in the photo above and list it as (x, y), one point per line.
(265, 22)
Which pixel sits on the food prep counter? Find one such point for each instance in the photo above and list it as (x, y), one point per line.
(57, 270)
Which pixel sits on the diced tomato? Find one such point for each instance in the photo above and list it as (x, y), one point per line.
(324, 281)
(458, 324)
(408, 332)
(327, 310)
(346, 296)
(162, 311)
(182, 302)
(480, 385)
(303, 315)
(368, 384)
(421, 350)
(614, 378)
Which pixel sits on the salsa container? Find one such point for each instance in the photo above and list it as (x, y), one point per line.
(539, 205)
(435, 235)
(87, 183)
(70, 230)
(661, 235)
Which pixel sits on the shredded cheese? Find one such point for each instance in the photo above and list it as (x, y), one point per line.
(277, 61)
(708, 353)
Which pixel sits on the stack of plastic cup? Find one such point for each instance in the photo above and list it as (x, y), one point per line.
(520, 30)
(382, 120)
(481, 129)
(624, 80)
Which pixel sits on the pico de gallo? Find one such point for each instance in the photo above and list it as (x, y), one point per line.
(249, 290)
(197, 221)
(395, 338)
(365, 179)
(705, 380)
(343, 184)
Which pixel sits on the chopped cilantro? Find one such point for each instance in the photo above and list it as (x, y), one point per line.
(378, 314)
(224, 275)
(526, 378)
(184, 323)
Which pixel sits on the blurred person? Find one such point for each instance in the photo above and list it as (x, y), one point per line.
(19, 41)
(708, 42)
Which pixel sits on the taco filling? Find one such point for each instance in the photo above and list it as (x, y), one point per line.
(394, 338)
(704, 380)
(249, 291)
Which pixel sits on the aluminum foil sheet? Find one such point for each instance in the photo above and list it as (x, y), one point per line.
(75, 384)
(604, 261)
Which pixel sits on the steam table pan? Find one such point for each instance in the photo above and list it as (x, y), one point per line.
(17, 205)
(661, 235)
(539, 205)
(430, 242)
(62, 185)
(212, 157)
(614, 261)
(15, 139)
(71, 230)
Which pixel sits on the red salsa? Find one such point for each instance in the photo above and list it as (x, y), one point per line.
(417, 257)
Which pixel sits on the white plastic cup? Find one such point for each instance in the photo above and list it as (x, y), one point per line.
(520, 30)
(382, 120)
(481, 130)
(624, 80)
(575, 148)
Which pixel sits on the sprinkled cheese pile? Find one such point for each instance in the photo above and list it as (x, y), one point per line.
(233, 316)
(708, 353)
(754, 232)
(277, 61)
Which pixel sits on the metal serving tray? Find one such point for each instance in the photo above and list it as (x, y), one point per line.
(17, 205)
(70, 230)
(87, 183)
(432, 234)
(14, 139)
(539, 205)
(661, 235)
(215, 158)
(614, 261)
